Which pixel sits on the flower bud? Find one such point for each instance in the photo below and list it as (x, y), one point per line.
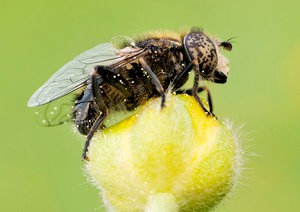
(165, 159)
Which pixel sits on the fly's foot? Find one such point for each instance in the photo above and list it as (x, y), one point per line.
(84, 156)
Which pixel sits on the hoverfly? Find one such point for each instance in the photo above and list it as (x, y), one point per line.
(127, 73)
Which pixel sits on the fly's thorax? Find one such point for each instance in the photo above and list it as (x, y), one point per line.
(166, 58)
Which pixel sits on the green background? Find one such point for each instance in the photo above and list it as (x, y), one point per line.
(41, 168)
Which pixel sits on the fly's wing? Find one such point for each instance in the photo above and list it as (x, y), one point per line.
(74, 74)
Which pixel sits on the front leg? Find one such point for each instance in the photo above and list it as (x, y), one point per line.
(195, 95)
(200, 89)
(178, 81)
(196, 89)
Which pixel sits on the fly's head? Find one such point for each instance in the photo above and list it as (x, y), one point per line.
(205, 53)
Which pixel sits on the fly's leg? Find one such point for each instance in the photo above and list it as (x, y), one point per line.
(115, 80)
(200, 89)
(97, 123)
(196, 89)
(103, 112)
(179, 79)
(155, 81)
(194, 93)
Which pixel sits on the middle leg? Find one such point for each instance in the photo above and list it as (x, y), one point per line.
(200, 89)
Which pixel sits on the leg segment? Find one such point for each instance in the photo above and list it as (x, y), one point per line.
(200, 89)
(155, 81)
(194, 93)
(181, 77)
(196, 89)
(100, 119)
(97, 123)
(115, 80)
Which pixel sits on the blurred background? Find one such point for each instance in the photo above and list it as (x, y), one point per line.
(41, 168)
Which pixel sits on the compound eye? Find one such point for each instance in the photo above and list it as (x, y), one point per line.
(201, 49)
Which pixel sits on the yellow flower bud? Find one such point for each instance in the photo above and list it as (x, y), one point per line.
(171, 159)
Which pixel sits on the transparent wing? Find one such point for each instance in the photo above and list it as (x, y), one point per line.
(74, 74)
(55, 113)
